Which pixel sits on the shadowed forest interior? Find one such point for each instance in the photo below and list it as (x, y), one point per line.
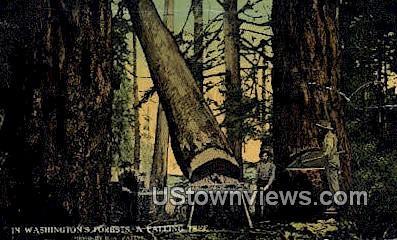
(100, 101)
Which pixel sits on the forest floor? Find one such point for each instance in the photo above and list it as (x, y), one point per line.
(310, 229)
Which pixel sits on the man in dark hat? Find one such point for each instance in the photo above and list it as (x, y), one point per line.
(129, 192)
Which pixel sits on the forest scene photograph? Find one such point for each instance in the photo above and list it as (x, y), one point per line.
(198, 119)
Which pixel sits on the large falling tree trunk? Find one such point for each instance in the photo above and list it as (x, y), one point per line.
(58, 114)
(199, 145)
(197, 65)
(306, 78)
(233, 115)
(158, 177)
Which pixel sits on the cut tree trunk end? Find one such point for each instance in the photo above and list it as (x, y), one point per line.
(199, 145)
(196, 137)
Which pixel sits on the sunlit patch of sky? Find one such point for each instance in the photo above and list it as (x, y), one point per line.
(211, 9)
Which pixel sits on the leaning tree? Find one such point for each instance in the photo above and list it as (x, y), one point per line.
(200, 147)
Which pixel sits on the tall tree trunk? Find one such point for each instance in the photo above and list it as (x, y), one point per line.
(265, 113)
(137, 125)
(197, 67)
(199, 145)
(233, 119)
(58, 116)
(306, 78)
(158, 176)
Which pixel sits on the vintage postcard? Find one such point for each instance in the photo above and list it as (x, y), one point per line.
(198, 119)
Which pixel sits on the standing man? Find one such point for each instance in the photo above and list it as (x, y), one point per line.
(129, 193)
(331, 157)
(266, 171)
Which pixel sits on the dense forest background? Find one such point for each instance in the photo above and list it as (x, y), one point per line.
(94, 90)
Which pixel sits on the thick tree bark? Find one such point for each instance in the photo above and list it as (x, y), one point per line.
(233, 119)
(199, 145)
(158, 177)
(58, 116)
(10, 39)
(197, 65)
(306, 78)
